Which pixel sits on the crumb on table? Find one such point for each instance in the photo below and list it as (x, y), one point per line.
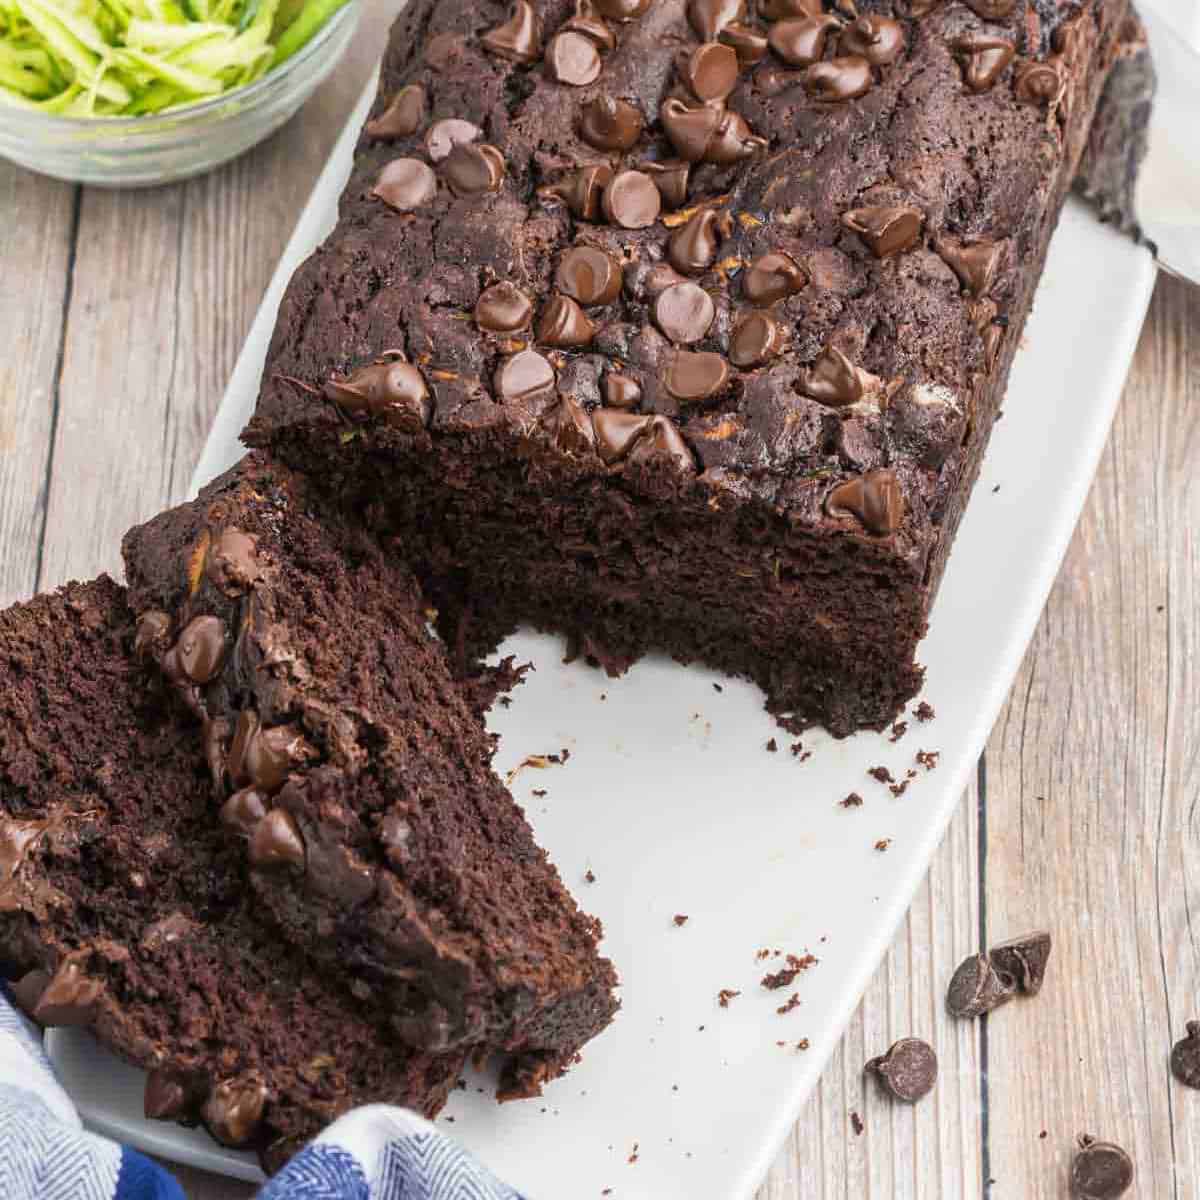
(854, 800)
(881, 775)
(924, 712)
(680, 919)
(725, 995)
(793, 1001)
(883, 844)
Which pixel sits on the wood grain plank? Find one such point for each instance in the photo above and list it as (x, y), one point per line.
(167, 281)
(1093, 791)
(932, 1148)
(31, 315)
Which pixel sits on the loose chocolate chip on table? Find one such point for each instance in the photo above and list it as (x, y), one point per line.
(589, 275)
(564, 324)
(875, 500)
(689, 129)
(405, 184)
(616, 432)
(671, 179)
(710, 70)
(834, 380)
(800, 41)
(692, 247)
(202, 647)
(588, 22)
(1185, 1057)
(772, 277)
(623, 10)
(977, 987)
(631, 200)
(503, 308)
(524, 376)
(907, 1071)
(276, 841)
(1100, 1171)
(442, 136)
(756, 339)
(880, 40)
(887, 229)
(620, 391)
(691, 377)
(839, 79)
(519, 38)
(975, 263)
(780, 10)
(984, 59)
(684, 312)
(709, 17)
(992, 10)
(1024, 960)
(572, 58)
(233, 1110)
(1037, 83)
(749, 44)
(610, 124)
(404, 115)
(472, 170)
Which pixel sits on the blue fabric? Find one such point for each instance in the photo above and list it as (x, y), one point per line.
(374, 1153)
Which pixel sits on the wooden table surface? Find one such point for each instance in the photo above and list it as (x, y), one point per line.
(123, 314)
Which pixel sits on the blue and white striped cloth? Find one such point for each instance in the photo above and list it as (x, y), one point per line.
(374, 1153)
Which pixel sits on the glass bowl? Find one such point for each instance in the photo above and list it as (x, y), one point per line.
(139, 151)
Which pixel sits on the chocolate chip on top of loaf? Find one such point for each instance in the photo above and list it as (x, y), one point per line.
(819, 310)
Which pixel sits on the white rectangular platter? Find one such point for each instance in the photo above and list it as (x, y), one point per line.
(671, 802)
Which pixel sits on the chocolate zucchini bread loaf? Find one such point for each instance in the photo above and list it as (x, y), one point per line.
(684, 325)
(125, 908)
(346, 761)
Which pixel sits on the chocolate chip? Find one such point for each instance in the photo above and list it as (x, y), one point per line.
(443, 50)
(589, 275)
(524, 376)
(623, 10)
(880, 40)
(570, 427)
(616, 432)
(710, 70)
(202, 647)
(977, 987)
(244, 733)
(174, 927)
(671, 179)
(519, 38)
(1185, 1057)
(403, 116)
(244, 810)
(907, 1071)
(839, 79)
(756, 339)
(1023, 959)
(772, 277)
(276, 841)
(781, 10)
(975, 263)
(442, 136)
(572, 58)
(582, 190)
(631, 200)
(693, 247)
(233, 563)
(234, 1109)
(732, 141)
(272, 753)
(834, 380)
(661, 440)
(874, 500)
(1038, 83)
(887, 229)
(621, 391)
(709, 17)
(610, 124)
(691, 377)
(164, 1097)
(588, 22)
(69, 998)
(1100, 1170)
(657, 279)
(684, 312)
(689, 129)
(992, 10)
(27, 990)
(748, 43)
(406, 184)
(153, 635)
(394, 390)
(563, 323)
(984, 59)
(472, 170)
(800, 41)
(503, 308)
